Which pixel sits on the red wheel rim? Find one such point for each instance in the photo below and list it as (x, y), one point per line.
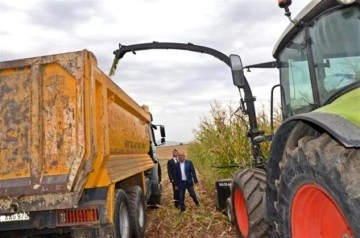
(241, 213)
(315, 214)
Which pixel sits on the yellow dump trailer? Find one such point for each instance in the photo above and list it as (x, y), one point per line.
(77, 154)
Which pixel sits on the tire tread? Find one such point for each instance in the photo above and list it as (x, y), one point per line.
(251, 183)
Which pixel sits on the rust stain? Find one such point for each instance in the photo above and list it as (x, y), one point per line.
(59, 93)
(14, 123)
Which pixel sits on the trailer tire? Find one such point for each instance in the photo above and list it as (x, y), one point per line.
(155, 199)
(122, 224)
(156, 188)
(247, 193)
(318, 189)
(137, 211)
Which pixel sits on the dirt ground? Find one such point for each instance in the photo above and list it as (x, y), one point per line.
(204, 221)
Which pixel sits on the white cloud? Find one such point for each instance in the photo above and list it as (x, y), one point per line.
(178, 86)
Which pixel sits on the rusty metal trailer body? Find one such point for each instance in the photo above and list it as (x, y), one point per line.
(69, 137)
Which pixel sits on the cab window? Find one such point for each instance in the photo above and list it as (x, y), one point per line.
(295, 77)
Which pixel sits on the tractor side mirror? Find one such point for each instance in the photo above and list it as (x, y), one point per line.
(237, 71)
(162, 134)
(162, 131)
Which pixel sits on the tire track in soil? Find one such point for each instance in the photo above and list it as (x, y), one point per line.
(204, 221)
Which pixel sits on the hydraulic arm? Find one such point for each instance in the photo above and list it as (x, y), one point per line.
(247, 103)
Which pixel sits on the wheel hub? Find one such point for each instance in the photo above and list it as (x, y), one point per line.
(314, 213)
(241, 213)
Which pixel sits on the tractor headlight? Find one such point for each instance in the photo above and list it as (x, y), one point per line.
(345, 2)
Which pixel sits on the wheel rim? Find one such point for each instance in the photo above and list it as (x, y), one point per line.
(141, 214)
(315, 214)
(124, 222)
(228, 212)
(241, 213)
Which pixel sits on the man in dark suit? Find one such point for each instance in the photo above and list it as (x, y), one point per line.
(185, 179)
(171, 167)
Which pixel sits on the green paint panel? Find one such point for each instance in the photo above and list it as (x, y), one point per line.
(346, 106)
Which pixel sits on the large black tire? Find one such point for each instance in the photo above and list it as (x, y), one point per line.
(155, 198)
(156, 188)
(318, 190)
(137, 211)
(247, 193)
(122, 222)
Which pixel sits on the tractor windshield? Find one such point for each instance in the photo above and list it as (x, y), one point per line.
(333, 42)
(336, 50)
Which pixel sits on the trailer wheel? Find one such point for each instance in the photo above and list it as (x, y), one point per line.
(319, 190)
(155, 199)
(156, 189)
(137, 211)
(247, 190)
(229, 211)
(122, 225)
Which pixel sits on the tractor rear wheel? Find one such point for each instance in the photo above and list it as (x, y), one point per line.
(247, 193)
(318, 190)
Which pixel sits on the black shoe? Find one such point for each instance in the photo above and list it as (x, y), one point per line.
(182, 209)
(197, 204)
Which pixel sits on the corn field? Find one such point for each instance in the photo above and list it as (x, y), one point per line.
(221, 145)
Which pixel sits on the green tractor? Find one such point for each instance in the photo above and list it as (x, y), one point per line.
(310, 184)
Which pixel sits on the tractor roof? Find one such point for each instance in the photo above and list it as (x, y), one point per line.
(312, 10)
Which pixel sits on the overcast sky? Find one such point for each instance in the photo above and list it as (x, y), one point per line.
(178, 86)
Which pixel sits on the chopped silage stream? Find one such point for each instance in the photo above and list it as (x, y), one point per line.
(204, 221)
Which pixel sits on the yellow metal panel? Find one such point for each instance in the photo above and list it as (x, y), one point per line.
(37, 125)
(82, 166)
(110, 203)
(59, 119)
(42, 118)
(143, 186)
(125, 100)
(15, 123)
(98, 164)
(127, 133)
(120, 167)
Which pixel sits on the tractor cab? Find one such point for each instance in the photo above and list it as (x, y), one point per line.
(319, 55)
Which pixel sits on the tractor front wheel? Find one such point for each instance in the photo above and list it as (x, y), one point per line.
(247, 193)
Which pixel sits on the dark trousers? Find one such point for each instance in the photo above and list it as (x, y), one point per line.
(176, 196)
(182, 188)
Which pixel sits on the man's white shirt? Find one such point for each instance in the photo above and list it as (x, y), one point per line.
(182, 168)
